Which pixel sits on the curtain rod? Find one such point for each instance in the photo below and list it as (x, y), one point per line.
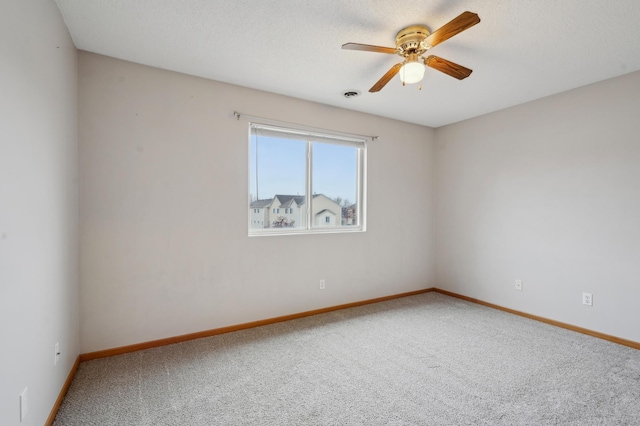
(299, 126)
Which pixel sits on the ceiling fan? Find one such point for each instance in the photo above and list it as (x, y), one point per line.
(412, 42)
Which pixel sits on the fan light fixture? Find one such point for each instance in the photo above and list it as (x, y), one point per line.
(411, 72)
(412, 43)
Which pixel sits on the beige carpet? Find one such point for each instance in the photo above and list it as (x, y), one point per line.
(421, 360)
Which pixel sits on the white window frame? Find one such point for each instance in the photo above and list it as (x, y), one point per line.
(312, 136)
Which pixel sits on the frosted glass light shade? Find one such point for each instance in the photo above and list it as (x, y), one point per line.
(411, 72)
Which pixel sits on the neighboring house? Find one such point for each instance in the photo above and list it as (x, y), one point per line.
(291, 210)
(259, 213)
(349, 215)
(325, 211)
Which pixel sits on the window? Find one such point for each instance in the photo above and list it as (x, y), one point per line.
(320, 176)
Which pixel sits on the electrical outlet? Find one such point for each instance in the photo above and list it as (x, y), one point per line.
(24, 407)
(587, 299)
(56, 353)
(321, 284)
(518, 285)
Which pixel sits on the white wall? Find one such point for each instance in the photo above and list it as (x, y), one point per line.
(38, 207)
(163, 171)
(547, 192)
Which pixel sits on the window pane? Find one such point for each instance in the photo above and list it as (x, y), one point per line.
(304, 181)
(277, 181)
(335, 185)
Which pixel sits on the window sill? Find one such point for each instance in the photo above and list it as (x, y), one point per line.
(274, 232)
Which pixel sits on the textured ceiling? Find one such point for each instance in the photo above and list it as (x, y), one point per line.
(522, 50)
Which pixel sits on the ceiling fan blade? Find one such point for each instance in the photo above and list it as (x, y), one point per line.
(448, 67)
(464, 21)
(368, 48)
(386, 78)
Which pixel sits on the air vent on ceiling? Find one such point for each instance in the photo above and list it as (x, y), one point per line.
(350, 94)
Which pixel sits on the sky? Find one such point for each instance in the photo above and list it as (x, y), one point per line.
(281, 168)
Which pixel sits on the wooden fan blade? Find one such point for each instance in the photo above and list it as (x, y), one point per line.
(464, 21)
(386, 78)
(448, 67)
(368, 48)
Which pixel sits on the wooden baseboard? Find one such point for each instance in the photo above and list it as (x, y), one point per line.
(208, 333)
(63, 392)
(618, 340)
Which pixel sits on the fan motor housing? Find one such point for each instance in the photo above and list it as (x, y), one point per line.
(409, 39)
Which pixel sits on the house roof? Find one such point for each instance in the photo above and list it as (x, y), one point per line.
(288, 200)
(326, 210)
(261, 203)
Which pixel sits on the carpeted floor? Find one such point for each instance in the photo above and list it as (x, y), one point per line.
(421, 360)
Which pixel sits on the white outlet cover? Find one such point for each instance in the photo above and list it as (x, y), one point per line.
(518, 285)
